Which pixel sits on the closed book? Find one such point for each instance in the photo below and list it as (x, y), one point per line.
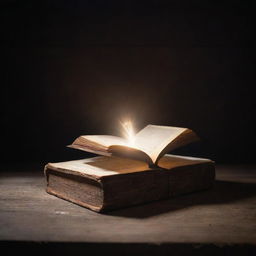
(105, 183)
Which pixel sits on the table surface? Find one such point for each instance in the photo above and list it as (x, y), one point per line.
(223, 215)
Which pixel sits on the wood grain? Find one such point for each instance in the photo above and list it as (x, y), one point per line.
(220, 220)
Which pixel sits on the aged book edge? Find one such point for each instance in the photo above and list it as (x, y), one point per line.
(51, 191)
(71, 172)
(80, 203)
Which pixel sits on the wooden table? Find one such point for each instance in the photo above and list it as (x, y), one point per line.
(217, 221)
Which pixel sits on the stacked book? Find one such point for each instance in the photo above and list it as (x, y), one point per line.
(131, 170)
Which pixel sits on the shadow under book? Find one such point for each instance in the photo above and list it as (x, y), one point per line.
(105, 183)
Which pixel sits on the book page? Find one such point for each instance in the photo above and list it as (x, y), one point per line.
(106, 140)
(153, 139)
(148, 145)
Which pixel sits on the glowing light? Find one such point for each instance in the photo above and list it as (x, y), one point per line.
(128, 131)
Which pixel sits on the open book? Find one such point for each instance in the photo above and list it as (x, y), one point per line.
(148, 145)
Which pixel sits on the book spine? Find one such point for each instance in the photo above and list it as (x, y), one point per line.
(136, 188)
(192, 178)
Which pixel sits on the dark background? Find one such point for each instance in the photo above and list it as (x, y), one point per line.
(78, 67)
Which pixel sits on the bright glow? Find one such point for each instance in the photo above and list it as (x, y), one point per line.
(128, 132)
